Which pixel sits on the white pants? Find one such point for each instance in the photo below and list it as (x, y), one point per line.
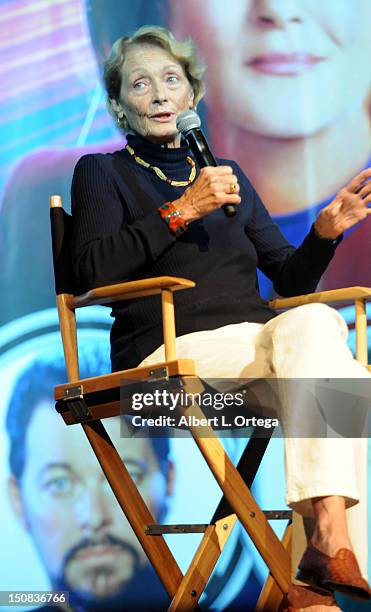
(305, 342)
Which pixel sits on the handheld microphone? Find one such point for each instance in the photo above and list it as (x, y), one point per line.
(189, 124)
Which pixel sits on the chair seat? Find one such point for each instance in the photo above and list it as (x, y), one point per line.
(104, 395)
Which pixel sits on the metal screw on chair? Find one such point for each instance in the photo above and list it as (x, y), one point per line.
(252, 514)
(194, 593)
(225, 526)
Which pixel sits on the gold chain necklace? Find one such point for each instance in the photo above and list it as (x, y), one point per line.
(159, 172)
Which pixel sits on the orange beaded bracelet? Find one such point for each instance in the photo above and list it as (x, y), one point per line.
(173, 218)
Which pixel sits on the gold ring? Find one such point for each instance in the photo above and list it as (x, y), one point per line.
(232, 188)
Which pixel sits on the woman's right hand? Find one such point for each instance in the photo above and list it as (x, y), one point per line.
(215, 186)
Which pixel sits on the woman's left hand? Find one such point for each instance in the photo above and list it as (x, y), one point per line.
(346, 209)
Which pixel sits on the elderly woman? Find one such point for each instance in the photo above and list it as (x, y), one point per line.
(148, 210)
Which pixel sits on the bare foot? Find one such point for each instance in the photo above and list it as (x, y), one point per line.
(329, 540)
(331, 531)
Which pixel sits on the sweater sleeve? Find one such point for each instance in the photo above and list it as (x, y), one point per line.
(293, 271)
(105, 248)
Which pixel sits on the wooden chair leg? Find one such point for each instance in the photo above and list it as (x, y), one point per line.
(240, 498)
(361, 331)
(133, 506)
(216, 536)
(271, 595)
(67, 322)
(202, 565)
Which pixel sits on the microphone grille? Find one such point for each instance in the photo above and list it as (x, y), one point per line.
(188, 120)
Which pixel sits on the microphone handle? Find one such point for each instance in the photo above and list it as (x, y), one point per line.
(200, 149)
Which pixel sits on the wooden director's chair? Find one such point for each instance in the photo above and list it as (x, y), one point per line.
(89, 401)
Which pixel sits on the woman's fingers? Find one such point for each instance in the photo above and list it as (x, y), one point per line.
(222, 195)
(365, 190)
(217, 169)
(356, 184)
(352, 210)
(212, 171)
(217, 174)
(229, 186)
(216, 180)
(367, 202)
(229, 198)
(214, 187)
(349, 206)
(356, 204)
(354, 196)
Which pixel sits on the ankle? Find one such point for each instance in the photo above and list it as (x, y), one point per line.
(329, 541)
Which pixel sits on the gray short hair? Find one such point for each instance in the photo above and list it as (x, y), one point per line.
(183, 51)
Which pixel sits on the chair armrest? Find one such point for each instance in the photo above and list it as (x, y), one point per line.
(335, 295)
(358, 295)
(129, 290)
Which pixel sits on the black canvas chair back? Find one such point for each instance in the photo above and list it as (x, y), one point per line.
(61, 228)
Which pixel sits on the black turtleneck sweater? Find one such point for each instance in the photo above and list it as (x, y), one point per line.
(118, 235)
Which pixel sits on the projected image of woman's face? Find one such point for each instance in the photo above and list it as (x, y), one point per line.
(282, 68)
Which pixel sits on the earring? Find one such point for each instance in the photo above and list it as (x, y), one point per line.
(120, 117)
